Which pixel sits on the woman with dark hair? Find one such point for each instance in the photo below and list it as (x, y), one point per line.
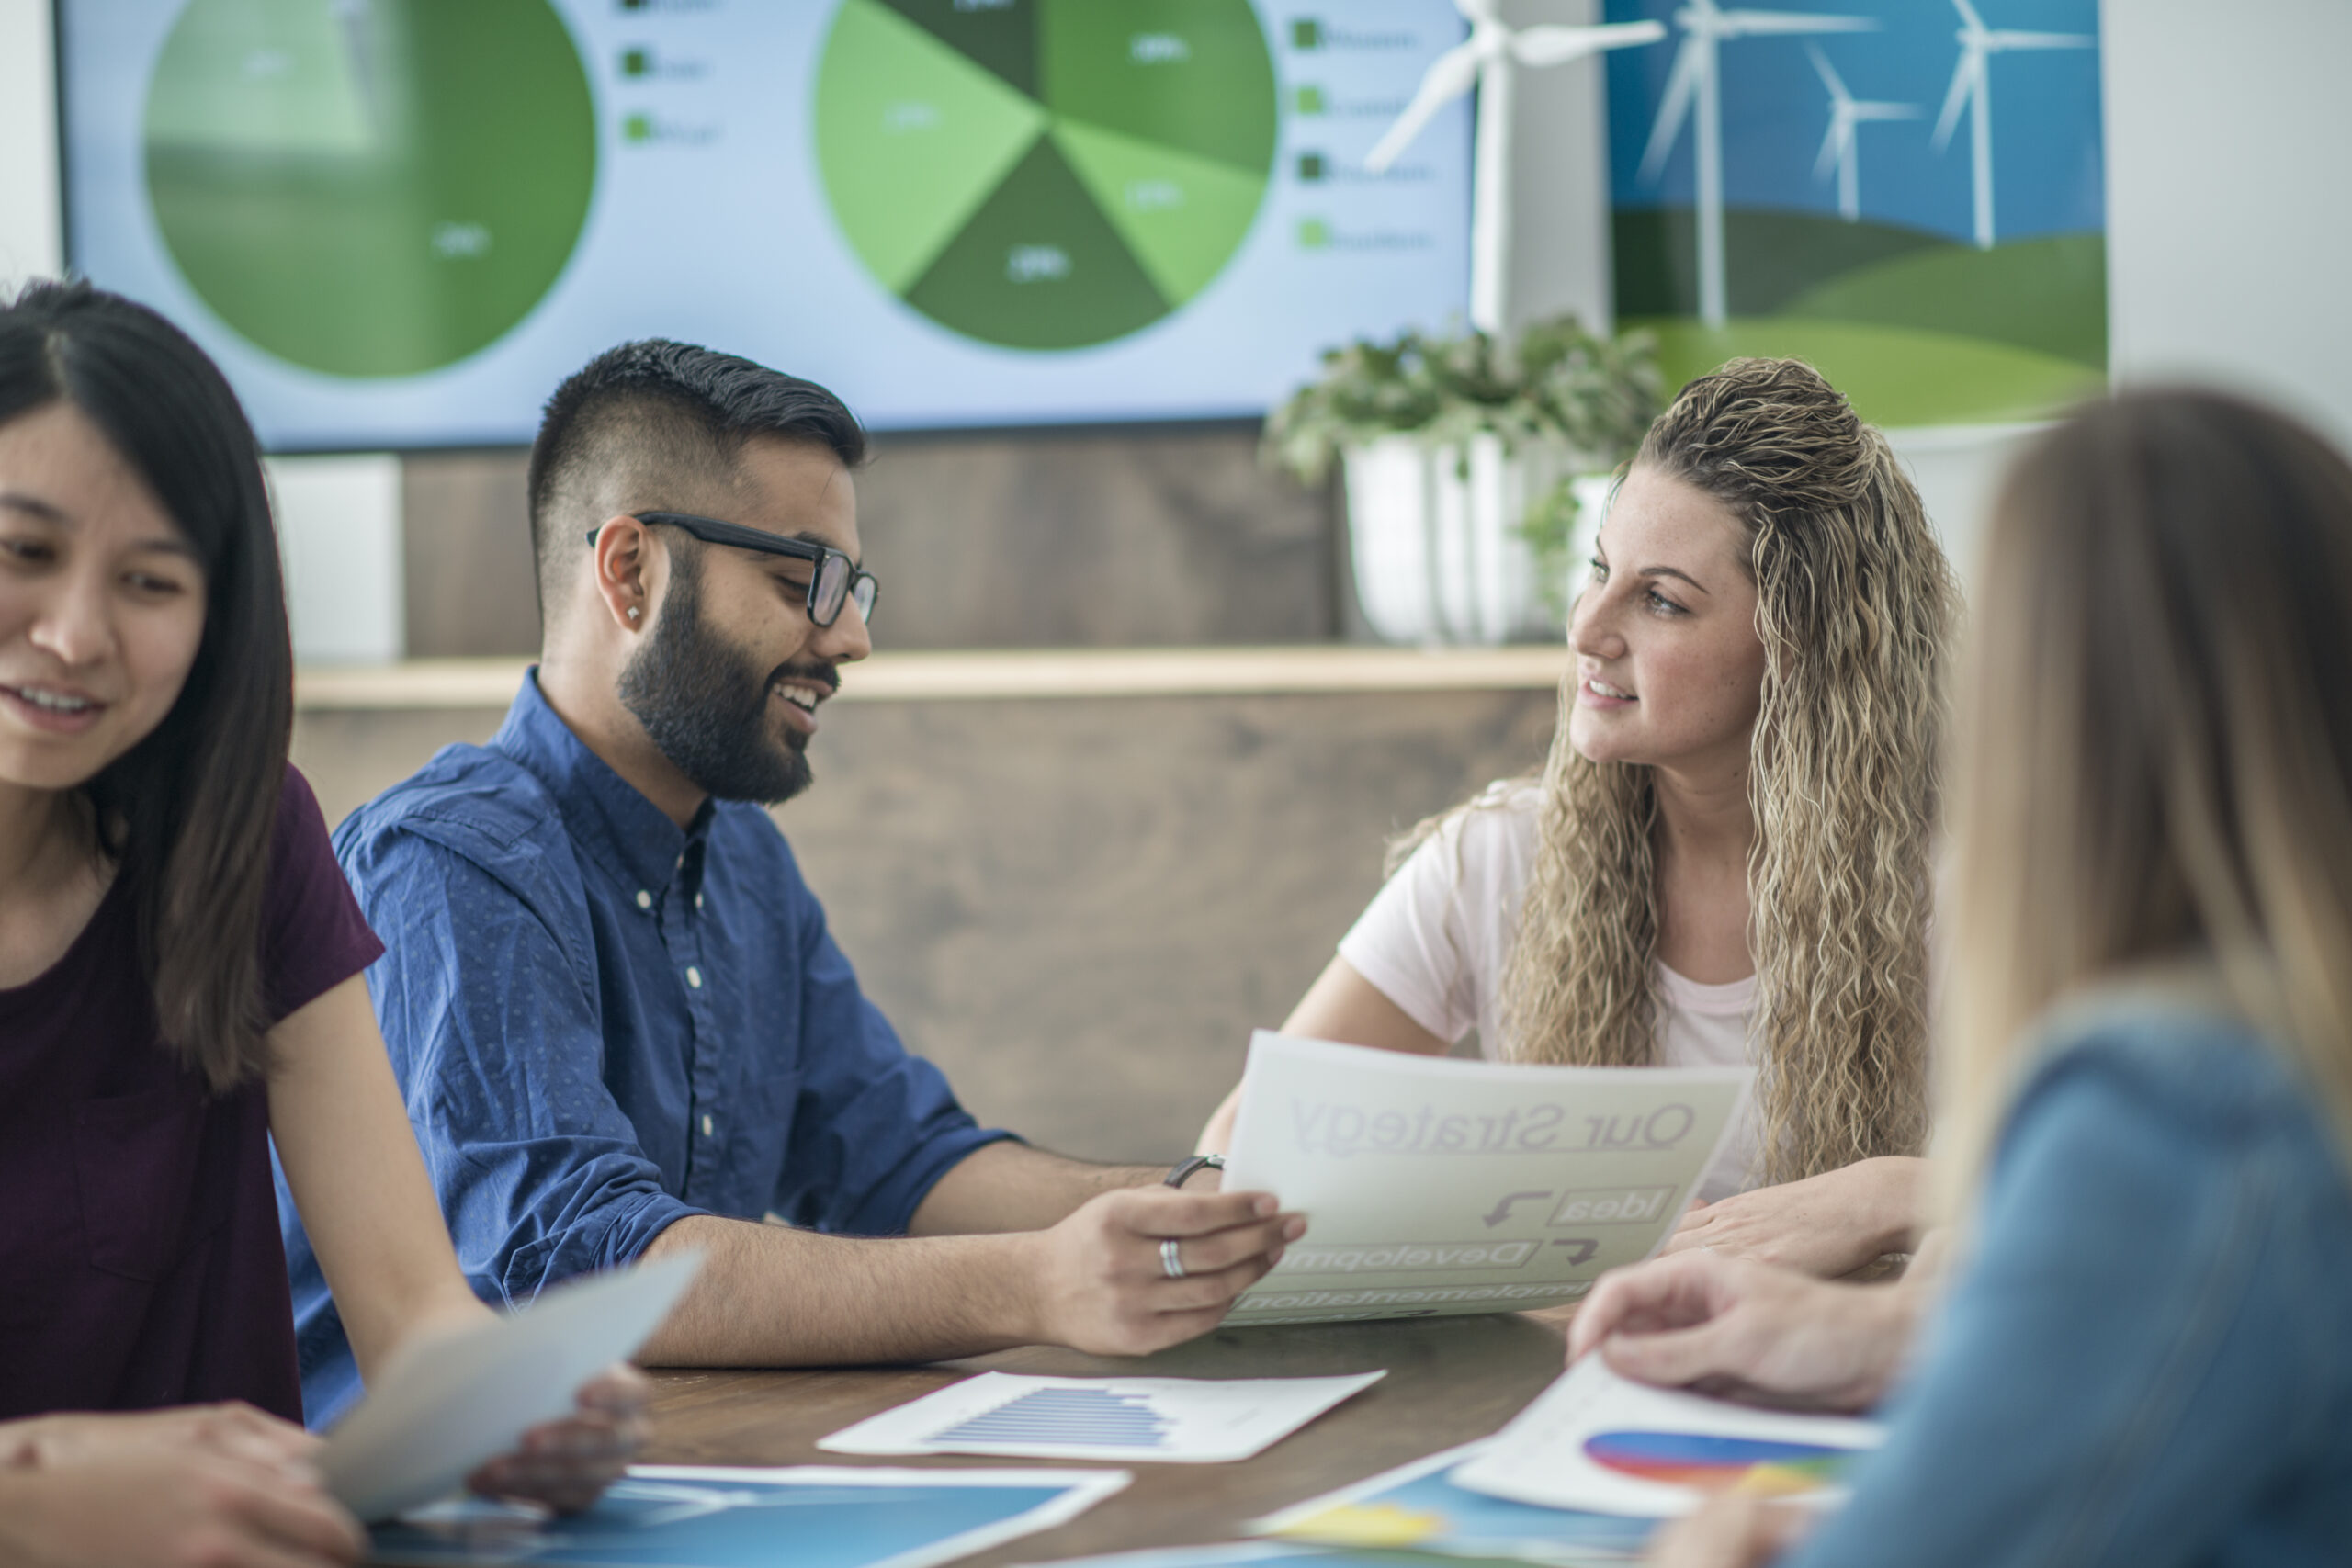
(2146, 1046)
(180, 961)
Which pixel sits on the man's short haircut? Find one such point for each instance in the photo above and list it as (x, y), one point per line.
(656, 425)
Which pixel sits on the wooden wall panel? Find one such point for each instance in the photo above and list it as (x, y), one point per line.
(1067, 540)
(1081, 907)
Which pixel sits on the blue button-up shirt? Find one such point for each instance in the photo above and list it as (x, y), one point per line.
(603, 1024)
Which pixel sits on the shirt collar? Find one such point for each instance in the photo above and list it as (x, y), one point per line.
(604, 811)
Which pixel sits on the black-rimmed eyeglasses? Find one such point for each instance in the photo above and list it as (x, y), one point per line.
(836, 582)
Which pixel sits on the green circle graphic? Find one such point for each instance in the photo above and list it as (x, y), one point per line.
(1045, 174)
(370, 187)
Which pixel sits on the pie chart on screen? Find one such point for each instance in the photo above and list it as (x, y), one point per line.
(1045, 174)
(1717, 1464)
(369, 190)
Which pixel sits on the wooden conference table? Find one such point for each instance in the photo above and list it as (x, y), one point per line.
(1450, 1379)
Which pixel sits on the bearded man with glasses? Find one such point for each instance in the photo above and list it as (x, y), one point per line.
(613, 1005)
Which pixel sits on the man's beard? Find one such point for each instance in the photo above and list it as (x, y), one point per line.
(705, 703)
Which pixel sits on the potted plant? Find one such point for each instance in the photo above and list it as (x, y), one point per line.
(1471, 469)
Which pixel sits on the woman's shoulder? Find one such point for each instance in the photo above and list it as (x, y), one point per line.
(313, 936)
(1503, 816)
(1486, 839)
(2174, 1046)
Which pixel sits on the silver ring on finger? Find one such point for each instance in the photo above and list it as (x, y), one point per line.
(1169, 1264)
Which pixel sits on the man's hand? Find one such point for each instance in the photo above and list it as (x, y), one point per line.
(567, 1464)
(1731, 1531)
(1743, 1330)
(1102, 1285)
(1825, 1225)
(99, 1504)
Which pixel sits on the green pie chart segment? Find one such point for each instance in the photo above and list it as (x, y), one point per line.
(370, 190)
(1192, 74)
(913, 136)
(1045, 174)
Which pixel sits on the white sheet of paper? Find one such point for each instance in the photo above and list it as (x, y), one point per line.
(436, 1416)
(1540, 1458)
(1433, 1186)
(1162, 1420)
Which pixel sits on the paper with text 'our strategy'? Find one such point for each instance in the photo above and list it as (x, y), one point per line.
(1433, 1186)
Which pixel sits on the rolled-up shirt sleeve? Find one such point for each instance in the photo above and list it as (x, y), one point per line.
(497, 1035)
(876, 1126)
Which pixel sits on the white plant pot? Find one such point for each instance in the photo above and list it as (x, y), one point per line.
(1434, 533)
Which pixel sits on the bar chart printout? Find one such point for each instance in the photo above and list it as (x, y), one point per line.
(1065, 1416)
(1172, 1420)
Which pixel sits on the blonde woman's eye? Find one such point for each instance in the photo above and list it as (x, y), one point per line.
(1600, 569)
(1664, 606)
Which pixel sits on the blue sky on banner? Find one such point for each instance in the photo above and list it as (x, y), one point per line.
(2048, 158)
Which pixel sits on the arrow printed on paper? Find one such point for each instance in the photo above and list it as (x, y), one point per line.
(1501, 1211)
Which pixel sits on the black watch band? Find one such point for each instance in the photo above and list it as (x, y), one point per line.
(1182, 1171)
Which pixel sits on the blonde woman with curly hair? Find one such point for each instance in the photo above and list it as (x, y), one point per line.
(1726, 859)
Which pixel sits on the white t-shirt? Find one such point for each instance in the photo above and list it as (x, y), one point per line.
(1435, 939)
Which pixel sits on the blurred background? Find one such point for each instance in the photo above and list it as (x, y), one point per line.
(1155, 681)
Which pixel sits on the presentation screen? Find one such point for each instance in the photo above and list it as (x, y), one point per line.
(401, 222)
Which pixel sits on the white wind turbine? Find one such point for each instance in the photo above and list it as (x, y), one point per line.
(1694, 82)
(1972, 88)
(1838, 149)
(1486, 60)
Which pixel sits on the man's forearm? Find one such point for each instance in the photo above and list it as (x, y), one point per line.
(1012, 1187)
(771, 1296)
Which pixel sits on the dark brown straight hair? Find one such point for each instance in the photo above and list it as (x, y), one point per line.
(186, 814)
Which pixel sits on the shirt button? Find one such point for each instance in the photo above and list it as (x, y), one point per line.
(705, 1125)
(644, 899)
(694, 976)
(697, 900)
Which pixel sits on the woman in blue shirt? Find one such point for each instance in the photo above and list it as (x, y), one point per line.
(2148, 1036)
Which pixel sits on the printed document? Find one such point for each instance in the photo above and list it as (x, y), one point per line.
(1169, 1420)
(1417, 1508)
(1433, 1186)
(807, 1516)
(1599, 1441)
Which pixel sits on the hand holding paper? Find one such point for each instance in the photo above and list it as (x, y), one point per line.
(438, 1413)
(1434, 1185)
(567, 1462)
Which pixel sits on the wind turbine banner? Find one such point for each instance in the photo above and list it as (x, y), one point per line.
(1908, 193)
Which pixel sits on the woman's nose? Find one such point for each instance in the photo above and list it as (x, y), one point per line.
(75, 625)
(1592, 625)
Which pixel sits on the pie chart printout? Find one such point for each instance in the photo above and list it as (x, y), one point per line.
(1045, 174)
(369, 190)
(1717, 1464)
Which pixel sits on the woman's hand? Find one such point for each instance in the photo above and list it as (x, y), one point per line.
(99, 1492)
(236, 1430)
(1731, 1531)
(1743, 1330)
(1825, 1225)
(567, 1464)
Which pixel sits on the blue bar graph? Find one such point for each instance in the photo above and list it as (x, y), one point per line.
(1053, 1416)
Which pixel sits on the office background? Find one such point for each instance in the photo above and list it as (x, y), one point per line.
(1079, 905)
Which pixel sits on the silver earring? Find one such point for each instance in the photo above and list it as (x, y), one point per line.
(634, 612)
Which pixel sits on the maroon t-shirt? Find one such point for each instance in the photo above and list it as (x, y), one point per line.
(139, 1261)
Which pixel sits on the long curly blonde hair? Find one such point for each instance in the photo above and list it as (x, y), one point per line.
(1855, 605)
